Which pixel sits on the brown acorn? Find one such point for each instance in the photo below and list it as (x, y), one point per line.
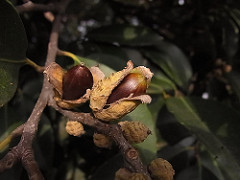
(76, 81)
(129, 92)
(133, 83)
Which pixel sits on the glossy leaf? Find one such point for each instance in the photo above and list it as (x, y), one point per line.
(125, 35)
(8, 80)
(112, 61)
(215, 125)
(209, 162)
(235, 14)
(13, 45)
(160, 83)
(172, 61)
(147, 148)
(91, 62)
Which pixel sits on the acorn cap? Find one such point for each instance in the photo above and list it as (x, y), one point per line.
(103, 89)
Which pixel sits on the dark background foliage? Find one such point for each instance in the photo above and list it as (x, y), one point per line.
(193, 49)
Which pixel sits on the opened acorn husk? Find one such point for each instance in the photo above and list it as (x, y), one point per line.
(56, 74)
(102, 90)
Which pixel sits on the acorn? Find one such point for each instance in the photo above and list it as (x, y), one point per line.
(76, 81)
(161, 169)
(117, 95)
(73, 87)
(133, 83)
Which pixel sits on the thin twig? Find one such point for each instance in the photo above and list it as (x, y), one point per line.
(38, 68)
(16, 132)
(30, 6)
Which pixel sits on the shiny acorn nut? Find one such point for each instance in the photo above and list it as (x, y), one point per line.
(76, 81)
(133, 83)
(161, 169)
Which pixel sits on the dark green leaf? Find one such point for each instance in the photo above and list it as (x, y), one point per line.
(125, 35)
(191, 173)
(156, 105)
(160, 83)
(112, 61)
(210, 163)
(172, 61)
(90, 62)
(235, 14)
(214, 124)
(169, 152)
(13, 45)
(13, 40)
(234, 79)
(8, 80)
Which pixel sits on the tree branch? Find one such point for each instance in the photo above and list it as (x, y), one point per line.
(30, 6)
(23, 151)
(130, 154)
